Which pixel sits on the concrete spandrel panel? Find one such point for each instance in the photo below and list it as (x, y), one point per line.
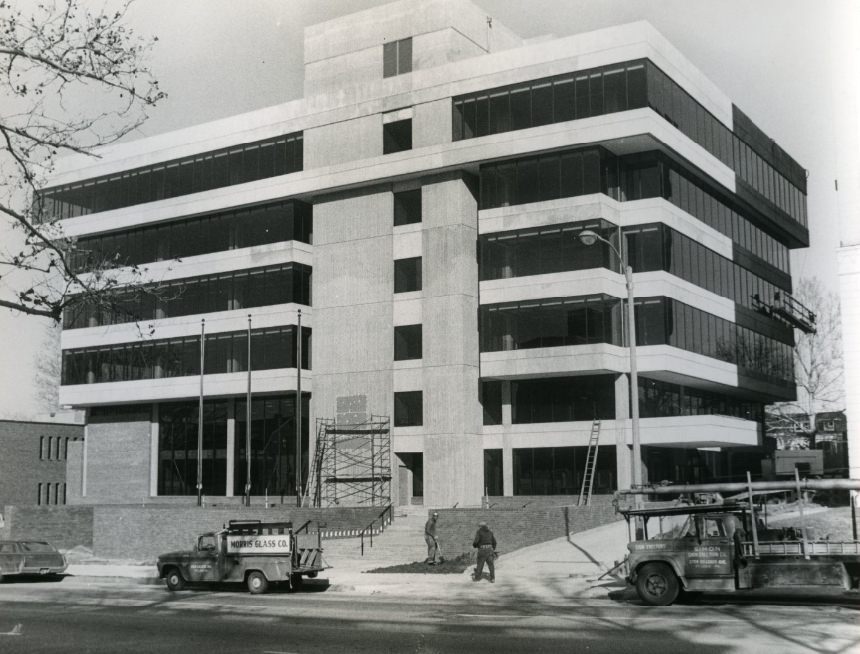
(398, 20)
(453, 469)
(337, 143)
(451, 400)
(443, 47)
(450, 334)
(376, 385)
(353, 339)
(450, 261)
(450, 200)
(353, 215)
(431, 123)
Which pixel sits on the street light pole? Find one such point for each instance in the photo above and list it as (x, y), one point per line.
(589, 237)
(634, 379)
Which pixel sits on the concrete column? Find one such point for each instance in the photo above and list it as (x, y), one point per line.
(507, 413)
(453, 448)
(231, 446)
(84, 460)
(153, 452)
(623, 454)
(507, 451)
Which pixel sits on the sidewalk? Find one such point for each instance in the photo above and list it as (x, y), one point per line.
(555, 571)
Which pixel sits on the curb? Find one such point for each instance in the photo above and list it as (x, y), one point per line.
(116, 579)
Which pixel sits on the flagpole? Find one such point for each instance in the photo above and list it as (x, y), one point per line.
(248, 424)
(200, 415)
(299, 410)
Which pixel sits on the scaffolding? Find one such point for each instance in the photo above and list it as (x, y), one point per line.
(352, 464)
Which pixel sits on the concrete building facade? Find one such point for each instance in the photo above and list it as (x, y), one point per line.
(421, 206)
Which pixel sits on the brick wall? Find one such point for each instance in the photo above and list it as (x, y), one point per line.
(142, 533)
(520, 526)
(25, 461)
(64, 527)
(118, 462)
(74, 472)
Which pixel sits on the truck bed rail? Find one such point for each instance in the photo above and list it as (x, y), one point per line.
(796, 548)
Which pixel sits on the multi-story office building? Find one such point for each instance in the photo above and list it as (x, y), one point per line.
(422, 207)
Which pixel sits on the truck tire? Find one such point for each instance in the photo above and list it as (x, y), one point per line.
(657, 584)
(257, 583)
(174, 579)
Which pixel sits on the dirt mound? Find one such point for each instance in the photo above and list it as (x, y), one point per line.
(448, 567)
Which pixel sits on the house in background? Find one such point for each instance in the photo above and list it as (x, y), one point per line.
(831, 436)
(795, 432)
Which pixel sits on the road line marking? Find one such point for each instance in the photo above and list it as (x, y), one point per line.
(17, 630)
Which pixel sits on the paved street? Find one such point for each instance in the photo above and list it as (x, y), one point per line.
(79, 616)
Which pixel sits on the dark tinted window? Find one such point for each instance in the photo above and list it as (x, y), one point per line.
(491, 401)
(202, 172)
(397, 57)
(407, 207)
(407, 275)
(407, 342)
(228, 230)
(397, 136)
(180, 357)
(563, 399)
(408, 409)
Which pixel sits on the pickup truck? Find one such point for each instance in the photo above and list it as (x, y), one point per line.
(726, 547)
(246, 551)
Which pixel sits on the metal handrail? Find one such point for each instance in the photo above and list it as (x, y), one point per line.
(369, 528)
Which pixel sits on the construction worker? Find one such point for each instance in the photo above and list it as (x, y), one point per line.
(485, 543)
(433, 554)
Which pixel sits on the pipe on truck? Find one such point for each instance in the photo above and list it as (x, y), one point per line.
(805, 484)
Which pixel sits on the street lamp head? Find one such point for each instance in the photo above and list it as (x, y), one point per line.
(588, 237)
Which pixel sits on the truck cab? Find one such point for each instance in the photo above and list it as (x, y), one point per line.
(245, 551)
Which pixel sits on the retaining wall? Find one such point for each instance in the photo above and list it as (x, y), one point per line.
(145, 532)
(519, 526)
(64, 527)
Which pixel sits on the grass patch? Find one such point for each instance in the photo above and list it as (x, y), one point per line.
(449, 567)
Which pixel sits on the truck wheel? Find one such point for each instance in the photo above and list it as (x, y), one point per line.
(257, 583)
(174, 580)
(657, 584)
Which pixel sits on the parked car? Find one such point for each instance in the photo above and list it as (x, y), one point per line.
(30, 557)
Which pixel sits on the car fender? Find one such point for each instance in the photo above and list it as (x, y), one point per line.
(672, 562)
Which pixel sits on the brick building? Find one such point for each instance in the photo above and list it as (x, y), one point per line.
(33, 461)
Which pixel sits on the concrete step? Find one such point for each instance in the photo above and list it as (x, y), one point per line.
(401, 542)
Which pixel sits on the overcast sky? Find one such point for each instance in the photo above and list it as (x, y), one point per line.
(783, 62)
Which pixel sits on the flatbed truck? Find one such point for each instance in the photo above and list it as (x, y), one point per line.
(726, 547)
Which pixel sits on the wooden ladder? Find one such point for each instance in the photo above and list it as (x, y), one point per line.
(590, 465)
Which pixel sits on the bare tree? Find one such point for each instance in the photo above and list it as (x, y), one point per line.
(72, 80)
(48, 369)
(817, 367)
